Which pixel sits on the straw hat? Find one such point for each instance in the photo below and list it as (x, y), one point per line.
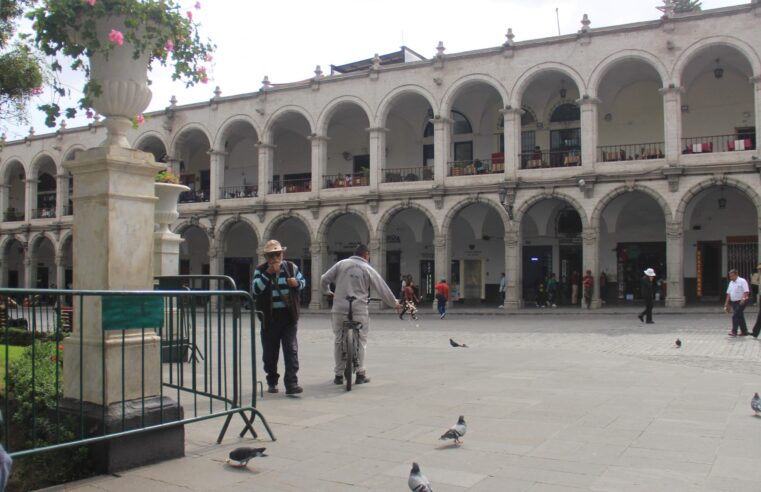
(650, 272)
(272, 246)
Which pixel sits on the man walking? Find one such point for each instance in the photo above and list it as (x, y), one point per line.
(574, 287)
(354, 276)
(442, 294)
(277, 284)
(757, 326)
(737, 298)
(647, 289)
(502, 288)
(588, 283)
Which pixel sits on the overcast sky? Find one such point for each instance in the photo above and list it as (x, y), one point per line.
(287, 39)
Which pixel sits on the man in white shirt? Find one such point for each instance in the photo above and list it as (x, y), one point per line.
(737, 298)
(502, 288)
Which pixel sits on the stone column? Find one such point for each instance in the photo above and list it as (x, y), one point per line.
(674, 265)
(319, 161)
(60, 271)
(441, 258)
(216, 257)
(513, 277)
(512, 135)
(442, 143)
(4, 199)
(266, 160)
(30, 197)
(28, 270)
(217, 174)
(3, 272)
(588, 108)
(591, 238)
(756, 81)
(61, 183)
(377, 156)
(317, 250)
(672, 123)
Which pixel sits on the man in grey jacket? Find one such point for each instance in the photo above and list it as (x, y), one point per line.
(354, 276)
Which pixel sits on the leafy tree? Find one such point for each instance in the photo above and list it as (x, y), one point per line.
(684, 6)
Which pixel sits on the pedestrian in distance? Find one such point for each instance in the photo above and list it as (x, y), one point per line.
(277, 286)
(409, 301)
(603, 287)
(502, 289)
(552, 289)
(736, 300)
(757, 326)
(442, 294)
(575, 280)
(755, 280)
(588, 283)
(647, 289)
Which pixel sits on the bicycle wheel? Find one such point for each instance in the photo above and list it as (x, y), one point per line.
(349, 351)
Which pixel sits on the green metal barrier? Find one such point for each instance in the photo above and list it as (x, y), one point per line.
(206, 360)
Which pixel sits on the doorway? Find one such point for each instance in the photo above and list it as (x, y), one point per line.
(473, 280)
(537, 264)
(394, 271)
(427, 272)
(571, 256)
(709, 277)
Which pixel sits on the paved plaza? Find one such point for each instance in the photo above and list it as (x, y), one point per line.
(553, 402)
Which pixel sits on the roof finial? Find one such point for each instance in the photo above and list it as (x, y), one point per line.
(217, 92)
(585, 22)
(318, 72)
(266, 82)
(667, 8)
(510, 36)
(440, 49)
(376, 62)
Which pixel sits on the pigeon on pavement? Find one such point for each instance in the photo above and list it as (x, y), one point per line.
(755, 404)
(417, 481)
(456, 431)
(678, 343)
(455, 344)
(242, 455)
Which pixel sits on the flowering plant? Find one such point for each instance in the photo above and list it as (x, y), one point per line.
(159, 28)
(167, 176)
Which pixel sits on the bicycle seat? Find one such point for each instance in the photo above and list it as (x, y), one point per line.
(351, 298)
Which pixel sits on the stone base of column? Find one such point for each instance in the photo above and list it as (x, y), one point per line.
(513, 305)
(596, 304)
(314, 304)
(123, 453)
(675, 302)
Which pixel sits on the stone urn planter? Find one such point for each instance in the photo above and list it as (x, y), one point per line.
(166, 208)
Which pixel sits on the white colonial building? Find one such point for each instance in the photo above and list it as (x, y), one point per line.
(611, 150)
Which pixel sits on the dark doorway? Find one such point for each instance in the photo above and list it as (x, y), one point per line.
(394, 271)
(425, 288)
(42, 277)
(571, 256)
(240, 271)
(13, 279)
(633, 260)
(305, 267)
(537, 264)
(710, 279)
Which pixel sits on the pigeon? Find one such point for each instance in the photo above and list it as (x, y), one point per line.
(678, 343)
(755, 403)
(417, 481)
(455, 344)
(242, 455)
(456, 431)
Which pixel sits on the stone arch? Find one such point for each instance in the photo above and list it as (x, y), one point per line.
(38, 159)
(527, 77)
(218, 142)
(8, 164)
(388, 101)
(452, 91)
(471, 200)
(177, 140)
(65, 236)
(749, 191)
(225, 227)
(620, 190)
(143, 137)
(267, 130)
(69, 155)
(187, 224)
(10, 238)
(389, 215)
(328, 220)
(691, 51)
(279, 219)
(35, 238)
(602, 68)
(324, 118)
(526, 205)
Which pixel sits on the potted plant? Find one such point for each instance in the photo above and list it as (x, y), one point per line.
(114, 42)
(168, 190)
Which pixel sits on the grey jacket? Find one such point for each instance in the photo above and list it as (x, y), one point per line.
(354, 276)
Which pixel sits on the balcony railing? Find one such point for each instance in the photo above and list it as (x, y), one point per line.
(345, 180)
(550, 158)
(13, 215)
(476, 166)
(397, 175)
(247, 191)
(717, 143)
(194, 196)
(291, 186)
(43, 213)
(630, 152)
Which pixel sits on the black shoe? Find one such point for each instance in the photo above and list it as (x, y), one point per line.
(401, 316)
(641, 318)
(361, 379)
(271, 388)
(744, 334)
(338, 380)
(650, 322)
(294, 390)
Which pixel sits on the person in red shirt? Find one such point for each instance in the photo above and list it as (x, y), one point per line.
(409, 301)
(588, 282)
(442, 294)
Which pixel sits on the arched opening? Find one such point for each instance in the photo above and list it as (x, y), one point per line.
(44, 189)
(553, 140)
(293, 234)
(632, 239)
(68, 190)
(630, 113)
(67, 259)
(477, 242)
(408, 157)
(344, 234)
(720, 233)
(13, 263)
(154, 146)
(194, 252)
(192, 151)
(43, 264)
(292, 164)
(15, 195)
(240, 173)
(240, 254)
(348, 148)
(552, 248)
(718, 104)
(410, 251)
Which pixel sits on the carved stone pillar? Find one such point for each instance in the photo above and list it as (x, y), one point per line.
(675, 265)
(30, 197)
(588, 108)
(513, 269)
(319, 161)
(512, 136)
(4, 199)
(217, 174)
(591, 260)
(317, 250)
(756, 81)
(377, 156)
(60, 271)
(215, 258)
(442, 142)
(61, 195)
(266, 161)
(672, 123)
(28, 270)
(441, 255)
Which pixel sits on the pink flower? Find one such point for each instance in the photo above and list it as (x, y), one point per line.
(91, 3)
(198, 5)
(37, 91)
(89, 113)
(209, 58)
(202, 70)
(205, 80)
(169, 45)
(140, 119)
(190, 14)
(116, 37)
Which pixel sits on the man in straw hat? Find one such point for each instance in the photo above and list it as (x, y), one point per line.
(647, 289)
(276, 286)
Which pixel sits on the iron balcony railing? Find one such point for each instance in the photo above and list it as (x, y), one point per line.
(206, 362)
(397, 175)
(476, 166)
(194, 196)
(630, 152)
(345, 180)
(717, 143)
(13, 215)
(291, 186)
(245, 191)
(549, 158)
(43, 213)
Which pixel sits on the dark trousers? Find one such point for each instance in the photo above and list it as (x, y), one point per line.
(757, 326)
(442, 304)
(648, 312)
(281, 330)
(738, 318)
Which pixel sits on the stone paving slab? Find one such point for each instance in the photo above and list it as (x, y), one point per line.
(599, 403)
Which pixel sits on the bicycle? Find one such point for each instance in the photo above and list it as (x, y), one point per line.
(350, 342)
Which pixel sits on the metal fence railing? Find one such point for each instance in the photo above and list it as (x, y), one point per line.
(550, 158)
(717, 143)
(630, 152)
(345, 180)
(242, 191)
(397, 175)
(195, 361)
(476, 166)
